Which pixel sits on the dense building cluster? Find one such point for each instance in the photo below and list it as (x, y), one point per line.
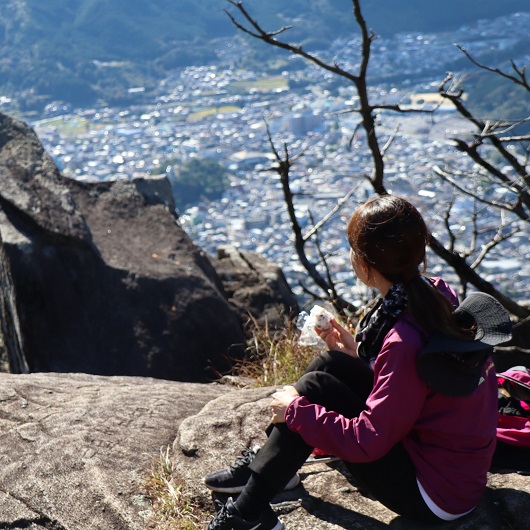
(220, 112)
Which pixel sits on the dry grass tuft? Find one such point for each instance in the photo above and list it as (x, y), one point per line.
(172, 507)
(274, 357)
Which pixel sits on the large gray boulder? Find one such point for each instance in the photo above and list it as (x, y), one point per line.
(76, 451)
(327, 498)
(101, 278)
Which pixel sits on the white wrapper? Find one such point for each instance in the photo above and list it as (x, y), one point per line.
(319, 318)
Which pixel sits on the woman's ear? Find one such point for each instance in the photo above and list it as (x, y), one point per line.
(361, 269)
(365, 268)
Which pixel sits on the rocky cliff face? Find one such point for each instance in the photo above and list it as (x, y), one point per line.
(11, 352)
(101, 278)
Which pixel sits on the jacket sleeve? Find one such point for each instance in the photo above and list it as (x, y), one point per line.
(393, 407)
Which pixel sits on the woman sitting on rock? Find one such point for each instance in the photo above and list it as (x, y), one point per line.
(422, 453)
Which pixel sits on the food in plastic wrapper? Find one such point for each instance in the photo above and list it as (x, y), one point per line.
(319, 318)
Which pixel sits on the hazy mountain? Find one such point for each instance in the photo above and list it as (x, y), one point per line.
(83, 50)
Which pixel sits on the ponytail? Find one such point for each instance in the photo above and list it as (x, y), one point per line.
(431, 309)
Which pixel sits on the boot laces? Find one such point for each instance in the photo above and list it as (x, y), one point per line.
(221, 517)
(247, 455)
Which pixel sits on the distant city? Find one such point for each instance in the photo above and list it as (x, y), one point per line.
(219, 112)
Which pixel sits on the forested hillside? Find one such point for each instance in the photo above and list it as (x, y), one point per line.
(81, 51)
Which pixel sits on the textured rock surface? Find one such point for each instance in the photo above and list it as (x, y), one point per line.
(255, 286)
(74, 448)
(326, 500)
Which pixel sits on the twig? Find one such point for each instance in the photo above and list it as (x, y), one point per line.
(520, 79)
(340, 203)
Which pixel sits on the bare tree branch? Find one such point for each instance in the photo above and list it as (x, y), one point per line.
(254, 24)
(352, 137)
(474, 234)
(512, 139)
(523, 196)
(283, 168)
(518, 79)
(340, 203)
(332, 292)
(503, 127)
(465, 272)
(269, 38)
(368, 113)
(514, 208)
(499, 238)
(388, 143)
(366, 109)
(447, 223)
(455, 96)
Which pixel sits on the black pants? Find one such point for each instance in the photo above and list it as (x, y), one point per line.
(512, 457)
(342, 384)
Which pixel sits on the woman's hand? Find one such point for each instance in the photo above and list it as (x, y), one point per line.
(281, 399)
(338, 338)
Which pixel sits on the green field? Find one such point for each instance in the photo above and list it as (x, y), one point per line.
(69, 127)
(212, 111)
(266, 84)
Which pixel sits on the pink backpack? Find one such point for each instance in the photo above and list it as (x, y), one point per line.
(514, 406)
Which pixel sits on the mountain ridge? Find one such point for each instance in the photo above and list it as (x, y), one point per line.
(81, 51)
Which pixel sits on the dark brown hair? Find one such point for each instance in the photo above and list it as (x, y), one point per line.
(389, 234)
